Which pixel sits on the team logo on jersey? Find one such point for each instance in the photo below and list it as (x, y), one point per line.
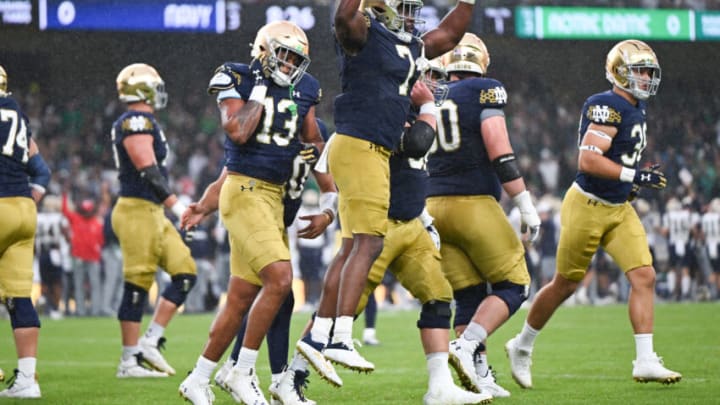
(604, 114)
(496, 95)
(137, 123)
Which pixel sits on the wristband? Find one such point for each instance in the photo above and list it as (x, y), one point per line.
(470, 2)
(627, 175)
(428, 108)
(328, 203)
(38, 188)
(258, 94)
(178, 208)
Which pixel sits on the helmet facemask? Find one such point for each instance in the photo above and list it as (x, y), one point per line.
(141, 83)
(628, 65)
(435, 78)
(285, 64)
(397, 14)
(638, 84)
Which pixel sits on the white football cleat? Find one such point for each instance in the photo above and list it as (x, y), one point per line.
(344, 353)
(151, 354)
(370, 338)
(244, 386)
(651, 369)
(488, 383)
(21, 386)
(290, 389)
(460, 358)
(313, 352)
(520, 362)
(134, 368)
(222, 373)
(196, 391)
(451, 394)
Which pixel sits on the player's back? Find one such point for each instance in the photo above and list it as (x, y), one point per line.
(376, 84)
(132, 123)
(459, 162)
(611, 109)
(14, 142)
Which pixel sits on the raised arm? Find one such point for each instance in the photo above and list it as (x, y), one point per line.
(451, 29)
(351, 26)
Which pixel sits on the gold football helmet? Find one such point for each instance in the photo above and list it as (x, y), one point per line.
(141, 83)
(284, 51)
(469, 55)
(393, 13)
(625, 63)
(3, 82)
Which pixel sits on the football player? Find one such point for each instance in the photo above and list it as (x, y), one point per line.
(377, 45)
(411, 252)
(595, 211)
(268, 111)
(470, 164)
(285, 387)
(147, 237)
(19, 159)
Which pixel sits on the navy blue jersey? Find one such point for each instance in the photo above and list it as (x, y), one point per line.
(268, 154)
(376, 84)
(408, 187)
(458, 162)
(609, 108)
(14, 147)
(294, 188)
(136, 123)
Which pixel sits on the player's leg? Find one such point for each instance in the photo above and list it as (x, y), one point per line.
(17, 233)
(137, 224)
(582, 228)
(361, 171)
(627, 244)
(178, 263)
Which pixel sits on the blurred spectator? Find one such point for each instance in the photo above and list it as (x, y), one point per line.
(85, 243)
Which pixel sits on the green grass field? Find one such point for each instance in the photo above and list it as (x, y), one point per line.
(584, 356)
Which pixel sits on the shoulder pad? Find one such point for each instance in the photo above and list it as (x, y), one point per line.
(491, 93)
(603, 109)
(137, 124)
(311, 86)
(227, 76)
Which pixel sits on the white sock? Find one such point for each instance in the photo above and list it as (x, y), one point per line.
(644, 345)
(320, 331)
(204, 368)
(475, 331)
(129, 351)
(298, 362)
(685, 282)
(154, 332)
(526, 338)
(26, 366)
(247, 358)
(343, 329)
(438, 371)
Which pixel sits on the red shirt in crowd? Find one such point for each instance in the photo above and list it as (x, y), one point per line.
(87, 233)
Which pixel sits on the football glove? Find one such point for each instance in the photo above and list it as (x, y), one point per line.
(310, 153)
(650, 177)
(634, 192)
(528, 215)
(434, 235)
